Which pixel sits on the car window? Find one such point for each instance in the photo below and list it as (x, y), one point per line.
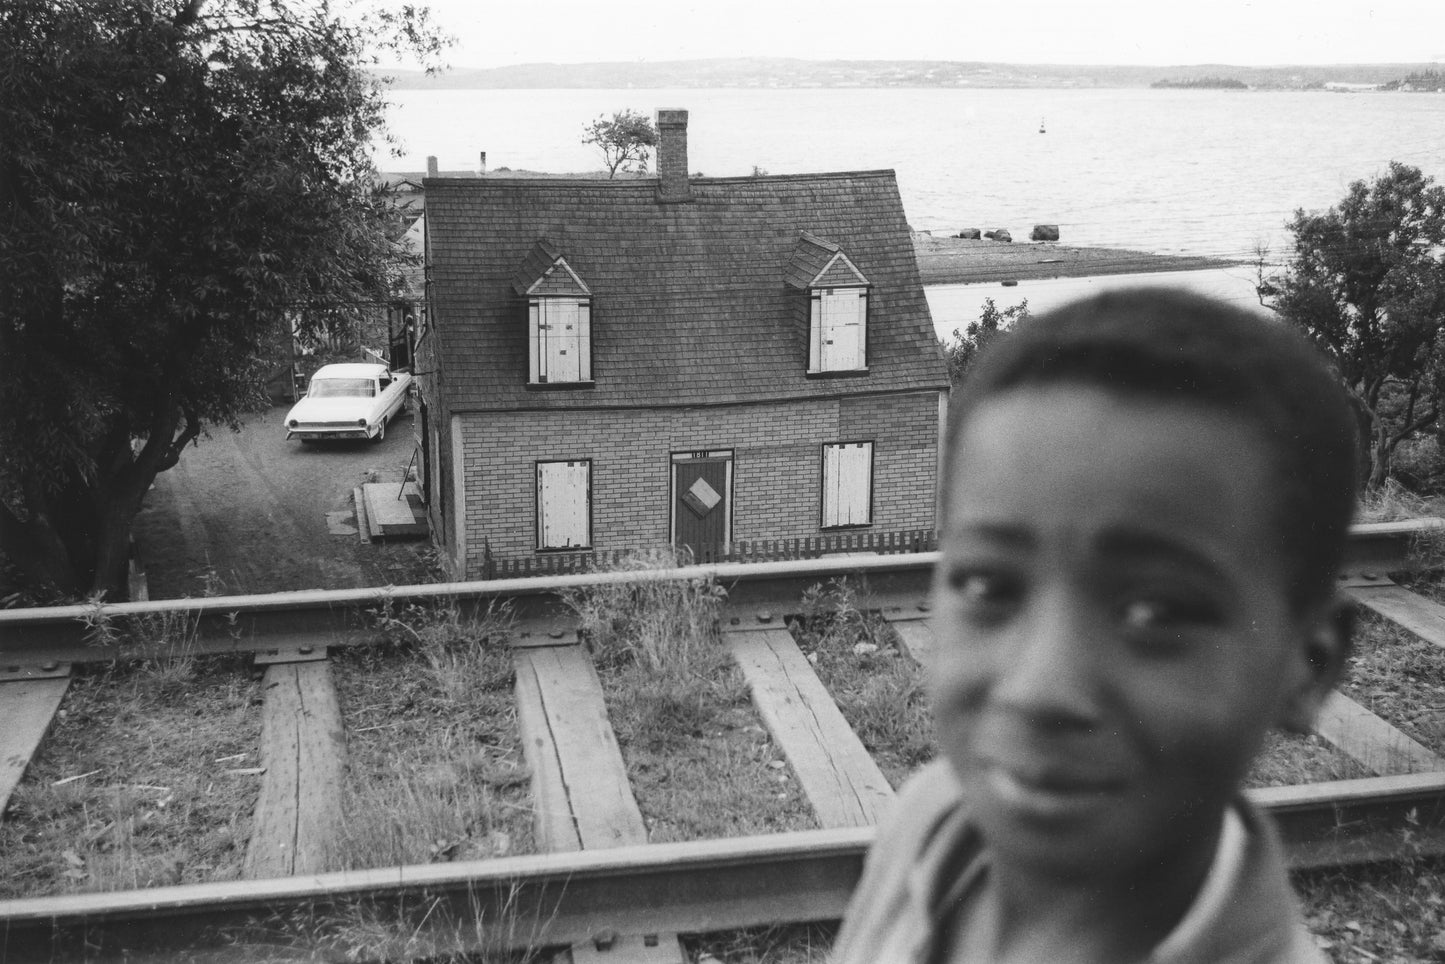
(342, 388)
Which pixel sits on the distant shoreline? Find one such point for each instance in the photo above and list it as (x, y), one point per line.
(771, 73)
(945, 260)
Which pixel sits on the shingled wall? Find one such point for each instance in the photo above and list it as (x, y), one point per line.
(777, 466)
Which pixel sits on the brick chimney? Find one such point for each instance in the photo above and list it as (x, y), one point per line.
(672, 184)
(484, 162)
(431, 167)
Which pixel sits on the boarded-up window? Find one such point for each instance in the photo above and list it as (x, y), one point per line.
(848, 484)
(560, 339)
(564, 505)
(839, 330)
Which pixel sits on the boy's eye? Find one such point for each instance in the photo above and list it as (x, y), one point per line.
(1159, 613)
(983, 591)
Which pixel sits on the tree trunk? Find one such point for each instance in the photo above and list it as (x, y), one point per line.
(77, 541)
(1379, 457)
(34, 546)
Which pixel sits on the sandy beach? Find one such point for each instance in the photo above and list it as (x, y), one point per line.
(947, 260)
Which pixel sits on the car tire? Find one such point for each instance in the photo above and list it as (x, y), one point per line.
(381, 431)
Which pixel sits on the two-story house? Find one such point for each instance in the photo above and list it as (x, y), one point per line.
(673, 360)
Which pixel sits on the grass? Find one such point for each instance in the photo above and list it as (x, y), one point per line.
(148, 809)
(436, 772)
(1400, 677)
(878, 688)
(422, 927)
(435, 764)
(700, 764)
(1290, 759)
(774, 944)
(1379, 914)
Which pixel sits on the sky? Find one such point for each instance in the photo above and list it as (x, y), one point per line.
(1150, 32)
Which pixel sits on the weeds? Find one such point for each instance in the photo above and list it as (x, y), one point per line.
(1400, 677)
(1290, 759)
(772, 944)
(665, 626)
(700, 764)
(1389, 912)
(1391, 502)
(876, 686)
(441, 688)
(101, 630)
(115, 801)
(423, 926)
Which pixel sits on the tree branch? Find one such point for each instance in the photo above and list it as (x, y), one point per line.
(188, 14)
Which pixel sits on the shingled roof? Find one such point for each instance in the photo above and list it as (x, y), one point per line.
(694, 303)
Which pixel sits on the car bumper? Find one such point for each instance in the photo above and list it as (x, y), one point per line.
(310, 434)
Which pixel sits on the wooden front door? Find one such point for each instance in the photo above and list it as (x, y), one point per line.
(702, 501)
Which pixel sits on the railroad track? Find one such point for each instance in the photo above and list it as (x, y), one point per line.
(606, 893)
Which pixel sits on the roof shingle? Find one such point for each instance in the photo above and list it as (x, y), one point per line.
(692, 303)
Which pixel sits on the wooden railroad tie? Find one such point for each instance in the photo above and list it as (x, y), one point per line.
(303, 748)
(580, 789)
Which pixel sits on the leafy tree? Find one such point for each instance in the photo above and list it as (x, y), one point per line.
(625, 140)
(1366, 282)
(180, 182)
(961, 352)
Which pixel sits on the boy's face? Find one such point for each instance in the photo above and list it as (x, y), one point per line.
(1114, 633)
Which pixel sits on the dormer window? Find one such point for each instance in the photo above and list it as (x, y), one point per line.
(837, 295)
(838, 330)
(559, 319)
(560, 338)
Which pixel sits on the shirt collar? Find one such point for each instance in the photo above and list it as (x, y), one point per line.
(1211, 904)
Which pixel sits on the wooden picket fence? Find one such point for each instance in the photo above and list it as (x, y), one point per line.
(740, 550)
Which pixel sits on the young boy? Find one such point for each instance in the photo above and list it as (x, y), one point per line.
(1147, 495)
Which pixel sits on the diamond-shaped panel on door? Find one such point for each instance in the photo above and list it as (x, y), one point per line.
(701, 498)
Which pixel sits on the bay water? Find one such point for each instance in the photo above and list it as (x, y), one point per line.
(1199, 172)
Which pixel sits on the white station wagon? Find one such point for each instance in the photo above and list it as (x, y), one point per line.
(348, 401)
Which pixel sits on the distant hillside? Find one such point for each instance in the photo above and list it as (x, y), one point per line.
(1203, 83)
(782, 72)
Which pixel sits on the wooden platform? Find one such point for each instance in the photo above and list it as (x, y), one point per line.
(388, 516)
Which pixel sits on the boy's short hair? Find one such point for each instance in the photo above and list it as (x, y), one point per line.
(1171, 345)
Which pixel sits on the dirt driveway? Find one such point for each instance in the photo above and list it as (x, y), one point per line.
(249, 511)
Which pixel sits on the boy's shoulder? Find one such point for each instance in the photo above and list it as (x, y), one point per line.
(1252, 915)
(1254, 920)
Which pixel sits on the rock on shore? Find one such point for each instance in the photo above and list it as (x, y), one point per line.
(949, 260)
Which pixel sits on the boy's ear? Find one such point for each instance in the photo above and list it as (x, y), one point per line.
(1324, 645)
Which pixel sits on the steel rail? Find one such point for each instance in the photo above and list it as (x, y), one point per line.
(250, 623)
(561, 899)
(221, 624)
